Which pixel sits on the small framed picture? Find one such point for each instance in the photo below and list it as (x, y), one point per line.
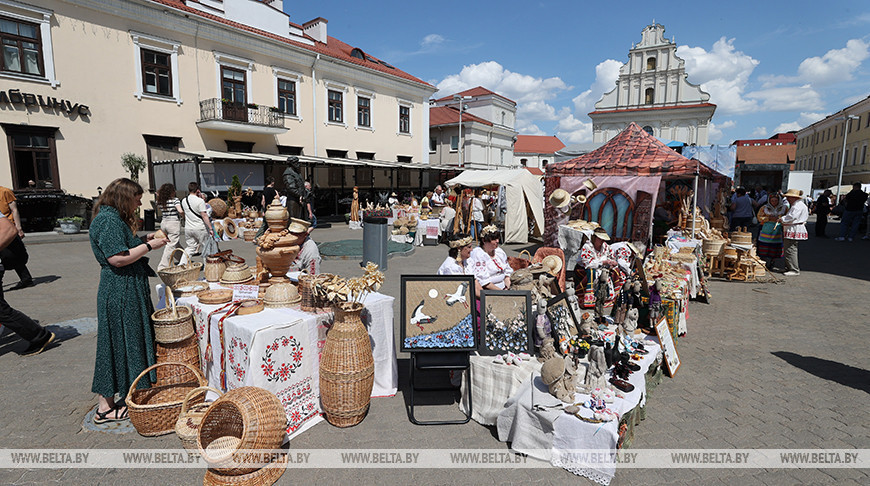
(506, 322)
(563, 320)
(438, 313)
(669, 347)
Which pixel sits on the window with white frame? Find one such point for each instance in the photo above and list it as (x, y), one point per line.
(25, 36)
(286, 88)
(234, 75)
(364, 113)
(335, 106)
(287, 96)
(454, 143)
(433, 145)
(156, 67)
(405, 117)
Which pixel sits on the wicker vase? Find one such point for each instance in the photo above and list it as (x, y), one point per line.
(347, 369)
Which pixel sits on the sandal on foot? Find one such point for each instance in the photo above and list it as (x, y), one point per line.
(119, 415)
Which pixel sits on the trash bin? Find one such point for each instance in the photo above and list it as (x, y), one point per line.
(149, 220)
(375, 242)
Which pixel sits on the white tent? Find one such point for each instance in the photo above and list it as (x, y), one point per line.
(525, 198)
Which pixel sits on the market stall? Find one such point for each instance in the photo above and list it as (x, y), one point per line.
(524, 202)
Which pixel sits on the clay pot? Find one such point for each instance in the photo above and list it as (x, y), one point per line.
(276, 216)
(278, 260)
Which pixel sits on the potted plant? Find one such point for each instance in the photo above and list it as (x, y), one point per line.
(70, 225)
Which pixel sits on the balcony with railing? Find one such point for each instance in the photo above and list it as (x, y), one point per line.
(218, 114)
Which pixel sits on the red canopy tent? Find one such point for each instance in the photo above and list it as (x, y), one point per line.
(628, 170)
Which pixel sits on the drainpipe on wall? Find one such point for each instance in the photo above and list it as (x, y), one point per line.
(314, 99)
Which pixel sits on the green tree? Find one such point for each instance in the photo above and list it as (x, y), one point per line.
(133, 164)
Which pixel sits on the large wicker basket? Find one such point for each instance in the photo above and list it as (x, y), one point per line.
(187, 425)
(154, 411)
(218, 208)
(251, 417)
(261, 477)
(173, 324)
(186, 352)
(346, 368)
(188, 272)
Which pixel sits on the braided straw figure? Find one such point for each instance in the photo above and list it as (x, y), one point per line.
(354, 206)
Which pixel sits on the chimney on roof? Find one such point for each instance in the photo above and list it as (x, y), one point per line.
(316, 29)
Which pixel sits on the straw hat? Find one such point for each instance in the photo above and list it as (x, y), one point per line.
(590, 184)
(580, 198)
(633, 248)
(394, 195)
(298, 226)
(794, 193)
(560, 198)
(599, 232)
(552, 264)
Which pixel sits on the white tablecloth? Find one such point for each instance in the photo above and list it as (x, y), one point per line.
(296, 383)
(492, 385)
(550, 434)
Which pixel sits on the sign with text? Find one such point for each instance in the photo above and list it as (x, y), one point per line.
(669, 348)
(245, 292)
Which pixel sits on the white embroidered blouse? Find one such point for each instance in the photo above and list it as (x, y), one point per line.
(489, 269)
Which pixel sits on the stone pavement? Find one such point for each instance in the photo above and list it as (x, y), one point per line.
(778, 366)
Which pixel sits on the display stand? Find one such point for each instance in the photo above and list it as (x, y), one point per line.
(452, 360)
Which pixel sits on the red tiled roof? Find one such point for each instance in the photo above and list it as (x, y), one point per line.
(537, 144)
(478, 91)
(698, 105)
(632, 152)
(448, 115)
(535, 171)
(333, 48)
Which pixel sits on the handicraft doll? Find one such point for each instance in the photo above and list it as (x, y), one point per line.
(559, 374)
(621, 305)
(543, 328)
(630, 323)
(655, 302)
(601, 290)
(595, 376)
(354, 206)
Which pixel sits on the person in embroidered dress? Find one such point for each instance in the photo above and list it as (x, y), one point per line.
(794, 229)
(769, 244)
(595, 255)
(457, 261)
(489, 263)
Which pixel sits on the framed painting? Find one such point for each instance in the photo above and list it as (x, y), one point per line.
(563, 320)
(438, 313)
(669, 347)
(506, 324)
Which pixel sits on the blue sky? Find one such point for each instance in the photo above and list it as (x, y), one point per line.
(769, 65)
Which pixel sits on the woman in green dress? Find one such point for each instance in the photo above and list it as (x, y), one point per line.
(125, 339)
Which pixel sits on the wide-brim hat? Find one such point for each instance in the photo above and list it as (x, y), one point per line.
(298, 226)
(601, 233)
(590, 184)
(633, 248)
(394, 195)
(552, 263)
(793, 193)
(560, 198)
(580, 198)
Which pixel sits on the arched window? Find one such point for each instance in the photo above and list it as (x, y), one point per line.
(358, 53)
(648, 129)
(649, 96)
(613, 210)
(650, 64)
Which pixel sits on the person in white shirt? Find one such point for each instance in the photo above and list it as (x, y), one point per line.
(197, 224)
(445, 220)
(437, 199)
(476, 207)
(794, 229)
(488, 263)
(456, 262)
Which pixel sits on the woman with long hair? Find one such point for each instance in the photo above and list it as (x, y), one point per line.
(125, 339)
(170, 221)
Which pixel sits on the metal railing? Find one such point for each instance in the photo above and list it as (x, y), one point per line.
(217, 109)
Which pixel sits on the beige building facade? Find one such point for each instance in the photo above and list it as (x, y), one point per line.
(820, 147)
(84, 81)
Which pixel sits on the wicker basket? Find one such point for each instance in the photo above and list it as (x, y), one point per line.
(251, 417)
(346, 368)
(187, 425)
(306, 291)
(154, 411)
(230, 228)
(249, 234)
(520, 262)
(713, 247)
(187, 289)
(261, 477)
(172, 276)
(218, 208)
(186, 352)
(174, 324)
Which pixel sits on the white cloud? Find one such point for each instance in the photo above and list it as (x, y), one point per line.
(787, 127)
(571, 130)
(714, 133)
(431, 40)
(606, 74)
(788, 98)
(527, 128)
(836, 65)
(723, 72)
(810, 118)
(759, 132)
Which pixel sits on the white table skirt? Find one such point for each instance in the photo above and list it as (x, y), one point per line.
(550, 434)
(492, 385)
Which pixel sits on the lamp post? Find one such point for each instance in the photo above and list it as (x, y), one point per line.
(460, 99)
(847, 124)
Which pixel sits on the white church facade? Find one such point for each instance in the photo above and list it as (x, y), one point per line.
(652, 91)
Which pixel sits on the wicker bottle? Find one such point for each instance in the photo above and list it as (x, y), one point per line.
(347, 368)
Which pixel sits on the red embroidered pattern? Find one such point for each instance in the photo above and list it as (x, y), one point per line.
(274, 370)
(300, 404)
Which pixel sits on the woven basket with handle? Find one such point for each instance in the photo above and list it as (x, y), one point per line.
(187, 425)
(174, 275)
(520, 262)
(186, 352)
(173, 324)
(154, 411)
